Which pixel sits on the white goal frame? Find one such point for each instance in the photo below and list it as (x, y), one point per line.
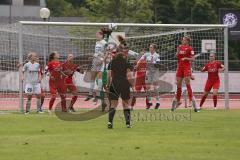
(224, 27)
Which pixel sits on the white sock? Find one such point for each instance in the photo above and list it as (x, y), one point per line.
(92, 84)
(100, 84)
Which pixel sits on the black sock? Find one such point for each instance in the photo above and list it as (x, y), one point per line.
(127, 116)
(111, 114)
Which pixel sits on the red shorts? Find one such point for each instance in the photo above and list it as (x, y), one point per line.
(57, 86)
(70, 85)
(140, 83)
(183, 72)
(215, 84)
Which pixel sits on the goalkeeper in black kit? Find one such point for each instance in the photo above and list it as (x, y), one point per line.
(120, 79)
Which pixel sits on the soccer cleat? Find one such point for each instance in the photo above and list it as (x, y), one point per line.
(129, 126)
(71, 109)
(157, 105)
(148, 104)
(40, 112)
(64, 110)
(196, 110)
(88, 97)
(215, 108)
(50, 112)
(110, 126)
(95, 100)
(133, 101)
(27, 112)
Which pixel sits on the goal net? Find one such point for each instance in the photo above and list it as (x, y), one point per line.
(79, 39)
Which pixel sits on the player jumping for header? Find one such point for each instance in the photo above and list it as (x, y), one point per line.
(184, 54)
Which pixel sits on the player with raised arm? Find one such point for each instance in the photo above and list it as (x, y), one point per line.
(213, 67)
(68, 68)
(56, 81)
(97, 63)
(185, 55)
(32, 78)
(120, 80)
(152, 74)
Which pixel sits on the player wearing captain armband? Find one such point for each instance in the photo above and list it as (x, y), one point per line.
(69, 68)
(184, 54)
(32, 78)
(56, 81)
(152, 75)
(213, 67)
(97, 63)
(184, 93)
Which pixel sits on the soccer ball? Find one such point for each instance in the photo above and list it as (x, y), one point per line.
(112, 26)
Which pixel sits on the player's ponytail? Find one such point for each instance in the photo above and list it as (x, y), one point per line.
(122, 40)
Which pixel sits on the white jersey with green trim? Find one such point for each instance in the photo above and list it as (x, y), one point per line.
(100, 48)
(31, 72)
(151, 59)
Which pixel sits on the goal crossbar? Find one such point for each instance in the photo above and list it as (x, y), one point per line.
(123, 24)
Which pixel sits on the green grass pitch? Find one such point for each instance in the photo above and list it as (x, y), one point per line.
(206, 135)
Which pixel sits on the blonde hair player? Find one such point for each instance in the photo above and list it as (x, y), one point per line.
(32, 77)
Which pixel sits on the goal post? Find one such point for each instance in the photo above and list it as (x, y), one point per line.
(226, 76)
(79, 38)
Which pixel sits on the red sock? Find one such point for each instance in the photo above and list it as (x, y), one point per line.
(190, 94)
(215, 100)
(63, 103)
(179, 93)
(203, 100)
(51, 103)
(74, 99)
(42, 99)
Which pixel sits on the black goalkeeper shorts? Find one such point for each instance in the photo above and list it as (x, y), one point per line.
(119, 88)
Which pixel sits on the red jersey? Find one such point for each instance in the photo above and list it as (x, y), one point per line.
(141, 68)
(69, 69)
(54, 68)
(184, 51)
(212, 69)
